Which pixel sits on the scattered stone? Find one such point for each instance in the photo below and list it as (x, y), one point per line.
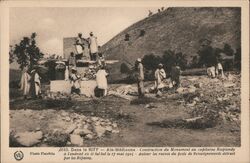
(97, 123)
(115, 131)
(76, 140)
(89, 136)
(70, 129)
(67, 119)
(29, 139)
(227, 85)
(100, 131)
(180, 90)
(114, 125)
(191, 89)
(82, 132)
(109, 128)
(192, 104)
(37, 129)
(150, 106)
(64, 114)
(198, 85)
(58, 139)
(41, 117)
(94, 118)
(196, 99)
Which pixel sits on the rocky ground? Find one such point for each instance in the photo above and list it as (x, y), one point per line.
(202, 112)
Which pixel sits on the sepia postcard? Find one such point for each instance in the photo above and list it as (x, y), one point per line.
(124, 81)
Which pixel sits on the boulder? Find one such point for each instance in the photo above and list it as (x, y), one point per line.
(29, 139)
(67, 119)
(82, 132)
(109, 128)
(115, 131)
(198, 85)
(89, 136)
(191, 89)
(57, 138)
(64, 114)
(70, 129)
(100, 131)
(94, 118)
(76, 140)
(180, 90)
(227, 85)
(114, 125)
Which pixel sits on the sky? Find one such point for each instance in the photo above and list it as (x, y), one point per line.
(53, 24)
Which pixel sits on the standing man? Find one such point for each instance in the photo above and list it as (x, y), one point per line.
(160, 74)
(25, 83)
(140, 77)
(93, 46)
(79, 46)
(219, 70)
(35, 85)
(101, 80)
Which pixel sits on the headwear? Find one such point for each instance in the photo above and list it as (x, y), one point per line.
(91, 33)
(160, 65)
(138, 59)
(73, 68)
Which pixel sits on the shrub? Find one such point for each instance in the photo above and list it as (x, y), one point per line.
(124, 69)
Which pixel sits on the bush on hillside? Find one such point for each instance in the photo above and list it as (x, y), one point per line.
(124, 69)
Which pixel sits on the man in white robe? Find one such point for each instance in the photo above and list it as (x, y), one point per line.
(25, 83)
(35, 84)
(160, 74)
(219, 70)
(79, 46)
(93, 45)
(101, 80)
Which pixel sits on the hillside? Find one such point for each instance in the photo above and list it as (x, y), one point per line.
(178, 29)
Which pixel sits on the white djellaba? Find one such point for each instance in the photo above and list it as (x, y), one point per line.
(66, 73)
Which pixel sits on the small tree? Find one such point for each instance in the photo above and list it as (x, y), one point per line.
(169, 59)
(207, 56)
(151, 61)
(26, 52)
(181, 60)
(228, 50)
(124, 69)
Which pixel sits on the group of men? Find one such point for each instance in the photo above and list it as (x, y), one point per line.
(92, 45)
(101, 80)
(216, 70)
(30, 83)
(159, 76)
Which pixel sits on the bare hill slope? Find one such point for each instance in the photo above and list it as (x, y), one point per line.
(178, 29)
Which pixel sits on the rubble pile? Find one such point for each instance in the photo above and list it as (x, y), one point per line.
(207, 101)
(128, 92)
(215, 100)
(90, 74)
(63, 128)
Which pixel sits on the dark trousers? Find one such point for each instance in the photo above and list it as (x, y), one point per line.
(93, 56)
(75, 90)
(140, 85)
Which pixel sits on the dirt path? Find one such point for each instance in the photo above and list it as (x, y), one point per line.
(140, 134)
